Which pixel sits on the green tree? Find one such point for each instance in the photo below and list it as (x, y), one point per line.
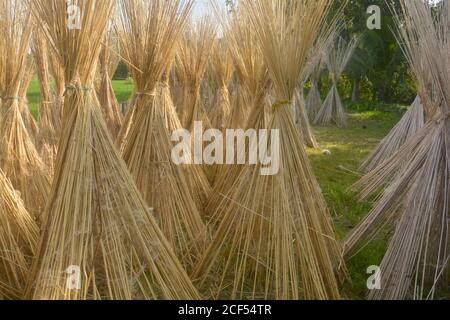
(378, 58)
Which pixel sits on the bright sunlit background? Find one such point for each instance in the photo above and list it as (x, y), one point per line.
(203, 7)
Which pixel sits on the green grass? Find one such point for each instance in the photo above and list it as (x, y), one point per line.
(123, 89)
(368, 124)
(33, 96)
(337, 172)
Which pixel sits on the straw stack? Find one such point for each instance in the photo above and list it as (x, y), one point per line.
(302, 120)
(18, 240)
(408, 126)
(337, 58)
(19, 158)
(416, 178)
(222, 71)
(107, 67)
(194, 50)
(148, 33)
(220, 112)
(274, 237)
(411, 122)
(29, 121)
(59, 88)
(97, 225)
(198, 183)
(48, 118)
(313, 101)
(252, 82)
(251, 90)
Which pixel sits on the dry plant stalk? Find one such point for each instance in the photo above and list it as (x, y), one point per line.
(97, 221)
(148, 33)
(222, 71)
(108, 102)
(198, 183)
(239, 108)
(302, 120)
(59, 87)
(253, 83)
(274, 237)
(411, 122)
(48, 118)
(194, 50)
(220, 113)
(408, 126)
(337, 58)
(19, 158)
(314, 101)
(29, 121)
(18, 240)
(313, 60)
(416, 179)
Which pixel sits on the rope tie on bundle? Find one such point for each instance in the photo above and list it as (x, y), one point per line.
(444, 117)
(10, 98)
(77, 88)
(146, 93)
(280, 104)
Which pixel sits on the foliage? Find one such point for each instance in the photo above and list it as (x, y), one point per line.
(378, 60)
(121, 72)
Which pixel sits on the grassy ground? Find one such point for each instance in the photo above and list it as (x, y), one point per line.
(339, 171)
(368, 124)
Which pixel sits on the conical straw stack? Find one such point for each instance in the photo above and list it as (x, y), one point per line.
(416, 179)
(18, 240)
(148, 42)
(110, 107)
(97, 225)
(195, 47)
(19, 158)
(274, 237)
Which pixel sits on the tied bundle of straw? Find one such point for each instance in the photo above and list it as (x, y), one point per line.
(408, 126)
(253, 81)
(48, 118)
(302, 120)
(18, 240)
(200, 188)
(253, 84)
(148, 33)
(337, 58)
(19, 158)
(313, 61)
(220, 112)
(222, 71)
(416, 178)
(274, 237)
(411, 122)
(313, 101)
(194, 50)
(110, 107)
(96, 221)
